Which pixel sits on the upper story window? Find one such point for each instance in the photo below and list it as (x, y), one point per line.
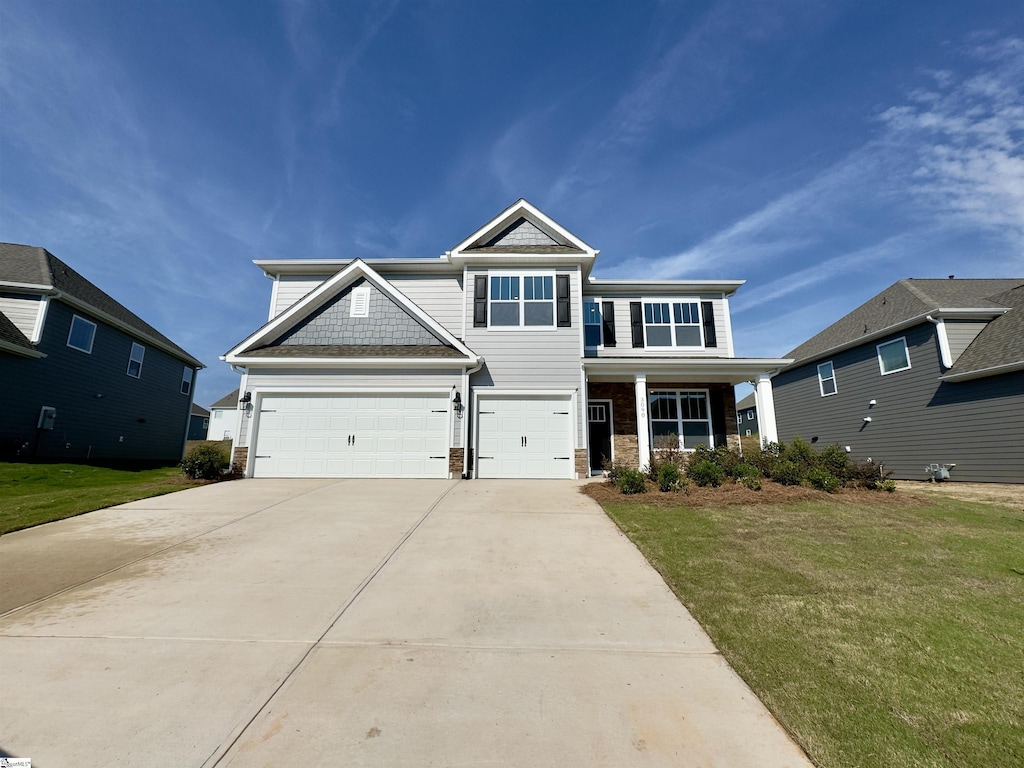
(893, 356)
(135, 360)
(672, 324)
(186, 380)
(827, 379)
(750, 415)
(507, 300)
(680, 419)
(82, 334)
(591, 323)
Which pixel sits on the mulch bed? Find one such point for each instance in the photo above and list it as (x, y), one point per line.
(730, 493)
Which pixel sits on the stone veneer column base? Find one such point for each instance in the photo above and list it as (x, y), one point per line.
(455, 456)
(582, 463)
(626, 451)
(240, 458)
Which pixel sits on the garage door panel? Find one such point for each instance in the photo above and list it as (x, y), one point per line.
(524, 436)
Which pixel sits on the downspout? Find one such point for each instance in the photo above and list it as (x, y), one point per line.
(940, 332)
(468, 407)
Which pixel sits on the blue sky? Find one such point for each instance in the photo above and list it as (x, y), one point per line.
(818, 150)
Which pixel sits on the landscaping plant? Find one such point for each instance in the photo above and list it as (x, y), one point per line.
(204, 462)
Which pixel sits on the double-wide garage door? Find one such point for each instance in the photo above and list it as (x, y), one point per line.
(352, 435)
(525, 436)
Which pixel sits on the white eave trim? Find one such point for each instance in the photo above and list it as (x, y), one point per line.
(726, 287)
(739, 369)
(351, 362)
(25, 286)
(275, 267)
(984, 372)
(521, 209)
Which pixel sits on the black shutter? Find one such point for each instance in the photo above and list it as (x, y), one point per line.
(718, 424)
(707, 311)
(636, 322)
(608, 322)
(480, 302)
(562, 301)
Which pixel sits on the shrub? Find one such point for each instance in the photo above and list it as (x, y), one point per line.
(800, 453)
(669, 478)
(614, 471)
(631, 481)
(866, 474)
(835, 461)
(753, 482)
(204, 462)
(787, 473)
(705, 472)
(823, 481)
(887, 485)
(744, 471)
(765, 458)
(666, 455)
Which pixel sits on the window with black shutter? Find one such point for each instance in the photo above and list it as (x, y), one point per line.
(636, 322)
(480, 302)
(608, 322)
(707, 311)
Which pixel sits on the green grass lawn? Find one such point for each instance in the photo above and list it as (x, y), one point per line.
(31, 494)
(880, 634)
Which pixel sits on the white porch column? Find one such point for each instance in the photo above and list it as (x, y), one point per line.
(765, 400)
(643, 429)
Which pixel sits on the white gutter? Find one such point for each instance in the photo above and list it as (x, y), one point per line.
(467, 409)
(983, 372)
(940, 331)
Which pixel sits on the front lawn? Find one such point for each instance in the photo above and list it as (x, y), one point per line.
(885, 633)
(31, 494)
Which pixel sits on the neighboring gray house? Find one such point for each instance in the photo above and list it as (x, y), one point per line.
(926, 372)
(83, 377)
(746, 416)
(198, 423)
(223, 417)
(502, 358)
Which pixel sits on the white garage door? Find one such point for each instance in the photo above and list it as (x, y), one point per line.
(525, 437)
(352, 436)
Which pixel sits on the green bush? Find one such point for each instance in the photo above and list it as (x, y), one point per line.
(669, 478)
(823, 481)
(765, 458)
(631, 481)
(800, 453)
(866, 474)
(705, 472)
(751, 482)
(204, 462)
(835, 461)
(744, 470)
(887, 485)
(787, 473)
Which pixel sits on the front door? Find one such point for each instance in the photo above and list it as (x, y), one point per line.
(599, 428)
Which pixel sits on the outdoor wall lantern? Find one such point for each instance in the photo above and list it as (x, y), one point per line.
(457, 403)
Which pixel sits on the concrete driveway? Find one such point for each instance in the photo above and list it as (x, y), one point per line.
(360, 622)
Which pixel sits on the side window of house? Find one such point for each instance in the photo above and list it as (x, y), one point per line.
(591, 323)
(186, 380)
(826, 379)
(82, 334)
(135, 360)
(750, 415)
(893, 356)
(522, 301)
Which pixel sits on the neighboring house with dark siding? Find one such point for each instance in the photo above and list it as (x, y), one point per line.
(746, 416)
(83, 377)
(198, 423)
(926, 372)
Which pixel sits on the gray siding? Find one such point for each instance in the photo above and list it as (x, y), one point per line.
(144, 418)
(378, 380)
(960, 334)
(22, 311)
(917, 420)
(623, 336)
(524, 359)
(439, 297)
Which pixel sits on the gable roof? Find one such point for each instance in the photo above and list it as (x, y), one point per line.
(523, 229)
(999, 348)
(906, 303)
(13, 340)
(230, 400)
(198, 410)
(260, 346)
(32, 268)
(750, 401)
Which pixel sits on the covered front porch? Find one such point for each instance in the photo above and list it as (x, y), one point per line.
(638, 405)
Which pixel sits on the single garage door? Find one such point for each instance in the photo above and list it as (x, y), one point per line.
(347, 435)
(525, 437)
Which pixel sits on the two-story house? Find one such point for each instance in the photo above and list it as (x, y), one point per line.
(504, 357)
(83, 377)
(927, 372)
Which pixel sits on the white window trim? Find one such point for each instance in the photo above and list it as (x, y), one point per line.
(131, 359)
(654, 392)
(672, 321)
(187, 377)
(821, 380)
(600, 323)
(92, 336)
(878, 352)
(522, 300)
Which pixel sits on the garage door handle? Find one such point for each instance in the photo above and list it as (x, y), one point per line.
(264, 457)
(485, 457)
(486, 413)
(561, 458)
(560, 413)
(439, 457)
(442, 410)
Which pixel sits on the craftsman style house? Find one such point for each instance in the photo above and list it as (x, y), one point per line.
(504, 357)
(83, 377)
(926, 373)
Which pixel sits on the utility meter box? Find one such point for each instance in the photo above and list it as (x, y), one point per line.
(47, 416)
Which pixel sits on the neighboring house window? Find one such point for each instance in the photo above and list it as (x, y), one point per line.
(522, 300)
(135, 360)
(82, 334)
(750, 415)
(360, 302)
(672, 324)
(748, 433)
(680, 420)
(893, 356)
(591, 323)
(206, 423)
(186, 380)
(827, 379)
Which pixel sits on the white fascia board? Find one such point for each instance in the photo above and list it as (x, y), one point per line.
(526, 261)
(735, 370)
(980, 313)
(351, 362)
(521, 208)
(122, 326)
(275, 267)
(725, 287)
(327, 291)
(984, 372)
